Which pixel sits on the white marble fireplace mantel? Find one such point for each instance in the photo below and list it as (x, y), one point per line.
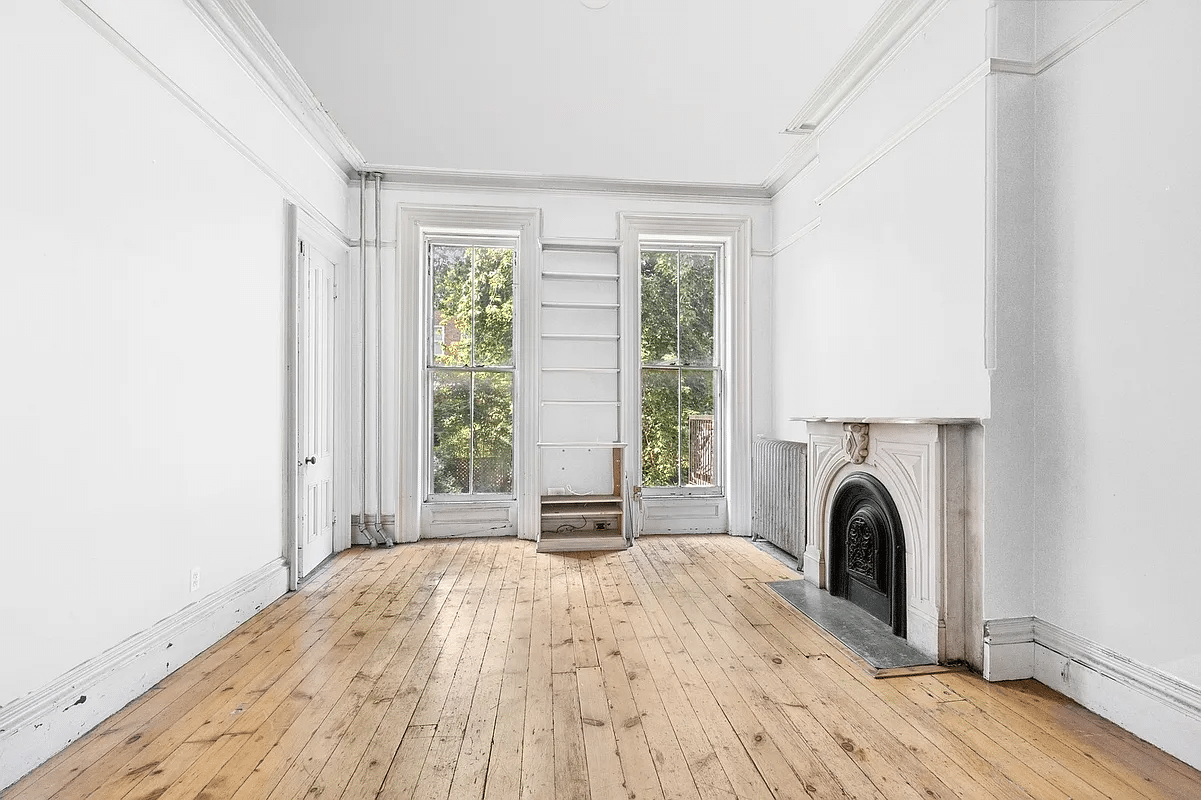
(921, 461)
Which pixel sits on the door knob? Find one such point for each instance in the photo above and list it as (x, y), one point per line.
(311, 460)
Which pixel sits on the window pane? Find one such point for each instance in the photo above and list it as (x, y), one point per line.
(452, 432)
(659, 297)
(493, 462)
(450, 267)
(697, 304)
(697, 431)
(660, 427)
(493, 306)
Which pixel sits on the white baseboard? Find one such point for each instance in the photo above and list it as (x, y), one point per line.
(1146, 701)
(1009, 649)
(42, 723)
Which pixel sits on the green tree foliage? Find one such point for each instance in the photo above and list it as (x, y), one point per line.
(473, 302)
(678, 302)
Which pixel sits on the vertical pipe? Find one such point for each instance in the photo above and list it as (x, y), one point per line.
(364, 531)
(379, 367)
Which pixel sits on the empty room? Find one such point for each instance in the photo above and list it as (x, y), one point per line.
(600, 399)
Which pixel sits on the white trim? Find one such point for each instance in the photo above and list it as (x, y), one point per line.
(1095, 27)
(896, 24)
(1008, 648)
(799, 160)
(734, 233)
(402, 178)
(1144, 700)
(805, 230)
(885, 36)
(234, 25)
(293, 491)
(927, 114)
(126, 48)
(1156, 684)
(1147, 701)
(580, 245)
(40, 724)
(413, 222)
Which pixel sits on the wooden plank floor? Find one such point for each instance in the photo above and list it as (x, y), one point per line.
(481, 669)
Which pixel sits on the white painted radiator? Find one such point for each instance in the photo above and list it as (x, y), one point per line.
(778, 508)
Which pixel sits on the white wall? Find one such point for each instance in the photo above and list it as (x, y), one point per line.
(564, 215)
(1119, 373)
(879, 310)
(143, 303)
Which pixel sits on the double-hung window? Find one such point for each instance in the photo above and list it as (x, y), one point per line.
(470, 367)
(681, 371)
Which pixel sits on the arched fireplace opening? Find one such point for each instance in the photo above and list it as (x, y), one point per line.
(867, 549)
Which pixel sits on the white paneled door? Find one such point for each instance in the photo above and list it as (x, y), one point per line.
(315, 539)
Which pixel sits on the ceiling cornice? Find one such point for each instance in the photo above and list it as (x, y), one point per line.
(882, 39)
(886, 34)
(426, 178)
(234, 24)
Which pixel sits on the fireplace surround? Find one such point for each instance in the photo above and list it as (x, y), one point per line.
(921, 465)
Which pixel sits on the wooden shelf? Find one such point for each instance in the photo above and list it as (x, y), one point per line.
(582, 522)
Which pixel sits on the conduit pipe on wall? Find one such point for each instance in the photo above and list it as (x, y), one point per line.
(364, 530)
(379, 365)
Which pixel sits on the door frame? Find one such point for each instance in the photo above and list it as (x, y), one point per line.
(302, 227)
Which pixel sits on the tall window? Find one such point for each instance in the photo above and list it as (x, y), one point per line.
(681, 373)
(470, 366)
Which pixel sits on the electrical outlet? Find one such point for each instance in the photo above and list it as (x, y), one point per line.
(195, 584)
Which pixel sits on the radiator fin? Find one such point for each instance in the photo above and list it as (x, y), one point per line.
(778, 511)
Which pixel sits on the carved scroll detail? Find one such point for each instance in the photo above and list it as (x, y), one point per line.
(854, 442)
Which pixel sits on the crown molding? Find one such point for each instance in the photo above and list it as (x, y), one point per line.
(885, 36)
(234, 24)
(894, 26)
(139, 59)
(397, 177)
(800, 159)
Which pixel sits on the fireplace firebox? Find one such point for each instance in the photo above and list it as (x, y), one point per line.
(867, 558)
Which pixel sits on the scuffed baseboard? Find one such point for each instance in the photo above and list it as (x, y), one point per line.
(1146, 701)
(1009, 649)
(42, 723)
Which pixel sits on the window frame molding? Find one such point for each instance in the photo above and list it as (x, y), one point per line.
(733, 234)
(721, 312)
(415, 224)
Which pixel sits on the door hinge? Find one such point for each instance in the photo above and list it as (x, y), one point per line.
(302, 246)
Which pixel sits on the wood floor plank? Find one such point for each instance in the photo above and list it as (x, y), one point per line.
(851, 756)
(737, 760)
(472, 669)
(405, 768)
(206, 711)
(701, 760)
(503, 780)
(136, 721)
(801, 770)
(666, 755)
(571, 778)
(604, 764)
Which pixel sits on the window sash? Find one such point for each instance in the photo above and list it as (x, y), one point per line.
(679, 368)
(471, 371)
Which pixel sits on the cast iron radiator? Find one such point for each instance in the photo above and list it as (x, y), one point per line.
(778, 506)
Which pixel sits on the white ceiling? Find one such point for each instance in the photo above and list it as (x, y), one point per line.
(663, 90)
